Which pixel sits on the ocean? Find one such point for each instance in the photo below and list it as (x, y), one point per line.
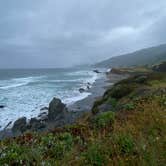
(24, 92)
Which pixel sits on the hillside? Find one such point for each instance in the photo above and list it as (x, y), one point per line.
(127, 126)
(142, 57)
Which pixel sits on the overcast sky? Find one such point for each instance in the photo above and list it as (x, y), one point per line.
(61, 33)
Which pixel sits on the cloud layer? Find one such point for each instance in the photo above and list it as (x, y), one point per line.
(60, 33)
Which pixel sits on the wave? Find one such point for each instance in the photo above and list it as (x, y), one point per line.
(76, 98)
(17, 82)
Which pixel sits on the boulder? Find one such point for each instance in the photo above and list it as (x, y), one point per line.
(44, 108)
(81, 90)
(96, 71)
(20, 126)
(36, 125)
(2, 106)
(57, 110)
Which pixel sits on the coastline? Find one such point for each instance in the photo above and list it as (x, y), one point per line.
(96, 91)
(77, 109)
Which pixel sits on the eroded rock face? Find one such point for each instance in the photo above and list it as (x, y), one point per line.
(56, 110)
(20, 126)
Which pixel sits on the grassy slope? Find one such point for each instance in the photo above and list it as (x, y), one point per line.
(133, 132)
(141, 57)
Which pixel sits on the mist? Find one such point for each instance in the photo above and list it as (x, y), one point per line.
(60, 33)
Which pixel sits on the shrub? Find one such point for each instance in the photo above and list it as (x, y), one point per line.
(125, 143)
(120, 91)
(141, 79)
(112, 101)
(57, 146)
(94, 156)
(97, 103)
(129, 106)
(104, 119)
(15, 155)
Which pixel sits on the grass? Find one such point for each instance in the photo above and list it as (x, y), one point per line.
(103, 120)
(133, 135)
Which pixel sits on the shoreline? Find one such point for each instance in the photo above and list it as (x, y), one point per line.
(96, 91)
(76, 109)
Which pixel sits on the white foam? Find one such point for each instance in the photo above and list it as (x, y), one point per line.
(21, 101)
(74, 99)
(17, 82)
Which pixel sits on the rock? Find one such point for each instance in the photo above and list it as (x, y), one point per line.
(81, 90)
(96, 71)
(7, 125)
(44, 108)
(105, 107)
(89, 83)
(88, 87)
(43, 116)
(2, 106)
(19, 126)
(56, 109)
(36, 125)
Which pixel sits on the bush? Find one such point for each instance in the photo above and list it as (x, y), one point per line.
(94, 156)
(97, 103)
(15, 155)
(125, 143)
(57, 146)
(129, 106)
(104, 119)
(120, 91)
(112, 101)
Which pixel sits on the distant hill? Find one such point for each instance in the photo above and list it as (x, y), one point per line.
(146, 56)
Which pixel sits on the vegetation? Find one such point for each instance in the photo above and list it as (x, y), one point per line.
(134, 134)
(145, 57)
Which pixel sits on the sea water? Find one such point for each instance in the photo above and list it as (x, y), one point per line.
(24, 92)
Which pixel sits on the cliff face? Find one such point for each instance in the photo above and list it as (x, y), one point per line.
(127, 126)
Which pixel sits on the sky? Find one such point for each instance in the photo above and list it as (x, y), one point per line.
(63, 33)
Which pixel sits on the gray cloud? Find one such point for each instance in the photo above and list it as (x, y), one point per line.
(60, 33)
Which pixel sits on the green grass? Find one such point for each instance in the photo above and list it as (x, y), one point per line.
(104, 119)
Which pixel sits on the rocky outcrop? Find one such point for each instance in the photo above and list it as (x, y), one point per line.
(20, 126)
(57, 116)
(36, 125)
(56, 108)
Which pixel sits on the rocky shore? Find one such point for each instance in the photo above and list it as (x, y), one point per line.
(58, 114)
